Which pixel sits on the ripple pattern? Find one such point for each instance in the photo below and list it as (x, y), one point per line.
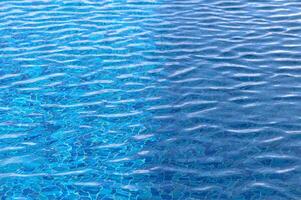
(150, 99)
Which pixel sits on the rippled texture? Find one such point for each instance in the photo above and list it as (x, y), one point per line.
(150, 99)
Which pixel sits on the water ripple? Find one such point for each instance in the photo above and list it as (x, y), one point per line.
(150, 99)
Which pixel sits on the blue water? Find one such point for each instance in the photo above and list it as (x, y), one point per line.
(150, 99)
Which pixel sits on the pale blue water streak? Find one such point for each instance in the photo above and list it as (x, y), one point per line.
(126, 99)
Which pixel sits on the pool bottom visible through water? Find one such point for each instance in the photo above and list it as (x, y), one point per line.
(150, 99)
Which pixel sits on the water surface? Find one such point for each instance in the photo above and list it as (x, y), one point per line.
(150, 99)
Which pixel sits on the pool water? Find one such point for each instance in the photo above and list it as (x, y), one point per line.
(150, 99)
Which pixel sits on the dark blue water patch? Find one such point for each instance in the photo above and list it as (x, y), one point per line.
(240, 142)
(150, 99)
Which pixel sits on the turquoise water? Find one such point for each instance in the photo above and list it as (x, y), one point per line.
(150, 99)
